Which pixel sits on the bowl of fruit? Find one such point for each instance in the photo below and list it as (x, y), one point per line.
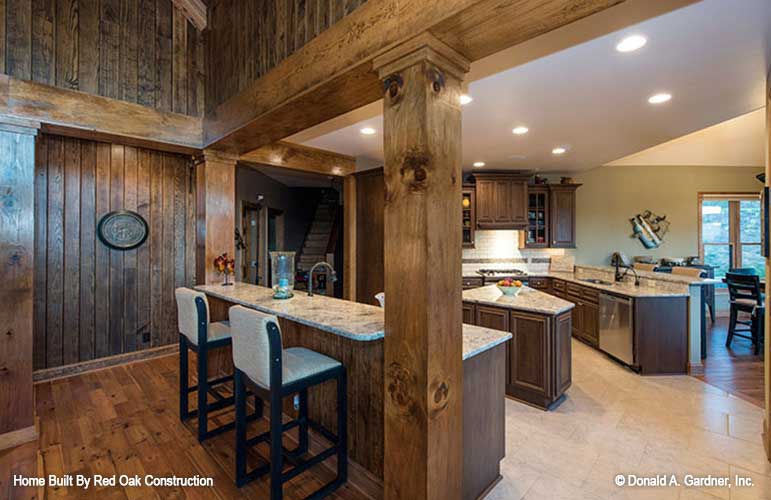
(509, 287)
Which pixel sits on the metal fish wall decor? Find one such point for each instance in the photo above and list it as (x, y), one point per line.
(649, 228)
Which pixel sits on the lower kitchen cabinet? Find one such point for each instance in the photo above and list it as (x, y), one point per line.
(538, 357)
(586, 315)
(469, 314)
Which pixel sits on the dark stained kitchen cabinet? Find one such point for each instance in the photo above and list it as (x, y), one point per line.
(586, 315)
(469, 314)
(501, 201)
(469, 215)
(562, 215)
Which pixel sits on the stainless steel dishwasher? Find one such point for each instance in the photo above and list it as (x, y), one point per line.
(617, 327)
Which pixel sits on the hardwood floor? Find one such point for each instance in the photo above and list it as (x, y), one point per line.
(736, 370)
(124, 420)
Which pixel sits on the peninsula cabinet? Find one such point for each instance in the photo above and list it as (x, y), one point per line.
(501, 201)
(586, 315)
(538, 357)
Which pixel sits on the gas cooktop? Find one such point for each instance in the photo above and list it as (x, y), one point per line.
(501, 272)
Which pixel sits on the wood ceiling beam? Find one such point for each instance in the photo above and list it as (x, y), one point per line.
(303, 158)
(332, 74)
(77, 114)
(195, 12)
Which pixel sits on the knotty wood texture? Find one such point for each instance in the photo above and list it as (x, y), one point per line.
(17, 170)
(368, 246)
(247, 39)
(424, 335)
(298, 157)
(91, 301)
(138, 51)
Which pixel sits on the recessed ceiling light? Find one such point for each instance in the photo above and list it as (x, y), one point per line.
(558, 151)
(520, 130)
(631, 43)
(659, 98)
(465, 99)
(368, 131)
(479, 164)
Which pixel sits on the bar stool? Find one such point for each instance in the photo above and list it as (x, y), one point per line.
(199, 335)
(273, 373)
(746, 297)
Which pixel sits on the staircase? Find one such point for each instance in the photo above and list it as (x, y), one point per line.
(317, 240)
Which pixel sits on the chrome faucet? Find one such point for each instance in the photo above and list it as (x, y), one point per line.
(332, 275)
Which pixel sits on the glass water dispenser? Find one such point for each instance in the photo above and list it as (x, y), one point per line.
(282, 274)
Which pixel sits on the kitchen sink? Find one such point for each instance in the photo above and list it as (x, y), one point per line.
(596, 281)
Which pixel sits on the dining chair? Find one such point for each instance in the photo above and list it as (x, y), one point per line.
(745, 298)
(743, 270)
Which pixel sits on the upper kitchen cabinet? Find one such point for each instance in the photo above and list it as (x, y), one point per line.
(469, 215)
(562, 215)
(501, 200)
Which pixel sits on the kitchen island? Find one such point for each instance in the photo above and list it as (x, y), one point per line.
(538, 358)
(353, 334)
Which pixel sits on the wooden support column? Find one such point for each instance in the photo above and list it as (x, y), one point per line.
(17, 177)
(215, 174)
(423, 326)
(349, 238)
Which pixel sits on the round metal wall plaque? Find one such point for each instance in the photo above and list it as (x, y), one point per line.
(122, 230)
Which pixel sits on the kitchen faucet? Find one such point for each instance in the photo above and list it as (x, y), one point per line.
(332, 276)
(618, 262)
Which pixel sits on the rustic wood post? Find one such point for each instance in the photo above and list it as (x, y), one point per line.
(349, 238)
(17, 177)
(215, 175)
(423, 341)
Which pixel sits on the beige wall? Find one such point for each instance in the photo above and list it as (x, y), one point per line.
(611, 195)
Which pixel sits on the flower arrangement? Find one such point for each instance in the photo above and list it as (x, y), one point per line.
(225, 266)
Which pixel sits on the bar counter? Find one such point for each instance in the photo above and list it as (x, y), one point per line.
(353, 334)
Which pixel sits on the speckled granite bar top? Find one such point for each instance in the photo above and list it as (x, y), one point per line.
(352, 320)
(528, 300)
(648, 288)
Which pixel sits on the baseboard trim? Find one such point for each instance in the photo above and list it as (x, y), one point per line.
(17, 437)
(58, 372)
(695, 370)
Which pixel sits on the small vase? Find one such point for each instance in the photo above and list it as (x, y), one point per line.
(227, 280)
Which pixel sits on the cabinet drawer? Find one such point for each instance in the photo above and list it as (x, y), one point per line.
(574, 290)
(590, 294)
(558, 285)
(538, 283)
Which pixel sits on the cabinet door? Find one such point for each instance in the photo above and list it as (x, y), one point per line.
(563, 356)
(517, 203)
(501, 201)
(485, 202)
(578, 317)
(469, 314)
(591, 326)
(497, 319)
(563, 217)
(530, 363)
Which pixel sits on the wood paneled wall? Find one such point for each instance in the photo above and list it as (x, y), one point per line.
(140, 51)
(91, 301)
(370, 209)
(248, 38)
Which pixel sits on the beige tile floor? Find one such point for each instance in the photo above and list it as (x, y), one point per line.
(617, 422)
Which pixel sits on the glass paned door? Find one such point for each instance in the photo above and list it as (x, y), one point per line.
(716, 235)
(730, 234)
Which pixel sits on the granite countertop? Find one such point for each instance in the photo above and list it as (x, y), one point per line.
(528, 300)
(647, 289)
(352, 320)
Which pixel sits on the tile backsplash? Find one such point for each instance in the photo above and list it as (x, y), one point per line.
(500, 248)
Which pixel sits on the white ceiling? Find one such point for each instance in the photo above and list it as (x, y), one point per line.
(712, 56)
(738, 142)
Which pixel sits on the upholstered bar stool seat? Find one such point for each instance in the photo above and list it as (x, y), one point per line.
(273, 373)
(198, 334)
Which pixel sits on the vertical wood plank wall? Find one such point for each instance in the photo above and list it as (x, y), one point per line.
(91, 301)
(16, 269)
(140, 51)
(247, 39)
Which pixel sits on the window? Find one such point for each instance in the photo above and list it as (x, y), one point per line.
(730, 232)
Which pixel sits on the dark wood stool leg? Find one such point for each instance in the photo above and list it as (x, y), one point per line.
(731, 327)
(342, 427)
(276, 451)
(303, 427)
(203, 393)
(184, 412)
(240, 394)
